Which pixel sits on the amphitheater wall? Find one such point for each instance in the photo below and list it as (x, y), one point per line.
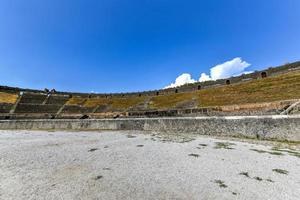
(276, 127)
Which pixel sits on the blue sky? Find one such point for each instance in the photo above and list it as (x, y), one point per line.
(136, 45)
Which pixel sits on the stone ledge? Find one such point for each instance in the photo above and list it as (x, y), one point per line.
(276, 127)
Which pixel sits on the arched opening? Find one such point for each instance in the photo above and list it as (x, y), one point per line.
(140, 95)
(7, 117)
(116, 116)
(227, 82)
(199, 87)
(176, 91)
(157, 93)
(84, 117)
(263, 74)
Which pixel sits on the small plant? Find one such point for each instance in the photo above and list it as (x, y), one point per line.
(98, 177)
(224, 145)
(280, 171)
(269, 180)
(258, 136)
(289, 151)
(258, 150)
(221, 183)
(245, 174)
(194, 155)
(258, 178)
(131, 136)
(93, 149)
(269, 152)
(275, 153)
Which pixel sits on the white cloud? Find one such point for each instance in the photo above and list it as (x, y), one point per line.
(182, 80)
(204, 77)
(234, 67)
(227, 69)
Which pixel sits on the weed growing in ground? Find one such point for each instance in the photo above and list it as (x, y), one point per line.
(221, 183)
(280, 171)
(245, 174)
(224, 145)
(194, 155)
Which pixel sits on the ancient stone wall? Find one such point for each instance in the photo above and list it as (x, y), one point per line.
(277, 127)
(19, 103)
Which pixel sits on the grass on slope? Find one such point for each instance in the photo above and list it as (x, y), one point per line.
(282, 87)
(8, 98)
(115, 103)
(76, 101)
(170, 101)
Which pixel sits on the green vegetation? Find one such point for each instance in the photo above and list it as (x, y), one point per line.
(280, 171)
(221, 183)
(269, 180)
(98, 177)
(224, 145)
(269, 152)
(245, 174)
(289, 151)
(131, 136)
(194, 155)
(203, 145)
(258, 178)
(93, 149)
(258, 150)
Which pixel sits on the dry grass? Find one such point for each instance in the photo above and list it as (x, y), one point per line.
(76, 101)
(121, 103)
(8, 98)
(115, 103)
(93, 102)
(282, 87)
(170, 101)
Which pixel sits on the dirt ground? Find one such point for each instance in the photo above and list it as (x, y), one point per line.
(140, 165)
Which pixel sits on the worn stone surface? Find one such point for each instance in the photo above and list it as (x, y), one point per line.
(133, 165)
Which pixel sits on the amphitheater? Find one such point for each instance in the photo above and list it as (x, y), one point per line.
(235, 138)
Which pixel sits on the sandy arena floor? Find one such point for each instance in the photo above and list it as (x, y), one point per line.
(135, 165)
